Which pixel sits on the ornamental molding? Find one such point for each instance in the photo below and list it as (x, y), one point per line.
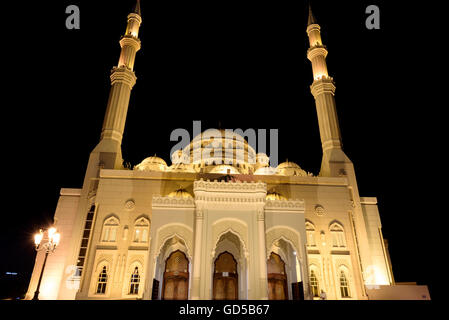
(285, 205)
(172, 202)
(130, 41)
(287, 234)
(222, 186)
(229, 195)
(181, 231)
(323, 85)
(315, 51)
(237, 227)
(236, 199)
(123, 74)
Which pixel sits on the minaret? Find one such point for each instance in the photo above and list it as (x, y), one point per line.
(323, 90)
(108, 154)
(335, 163)
(122, 82)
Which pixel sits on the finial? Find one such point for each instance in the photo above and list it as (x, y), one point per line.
(311, 19)
(137, 8)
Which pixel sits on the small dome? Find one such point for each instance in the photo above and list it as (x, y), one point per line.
(152, 164)
(180, 193)
(290, 169)
(275, 196)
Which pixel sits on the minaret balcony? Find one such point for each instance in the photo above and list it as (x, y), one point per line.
(317, 50)
(130, 40)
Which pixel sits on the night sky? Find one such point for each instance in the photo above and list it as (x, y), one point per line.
(241, 64)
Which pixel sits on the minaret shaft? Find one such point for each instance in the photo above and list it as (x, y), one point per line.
(122, 81)
(323, 90)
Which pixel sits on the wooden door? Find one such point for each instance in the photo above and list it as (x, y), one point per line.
(277, 279)
(176, 277)
(225, 285)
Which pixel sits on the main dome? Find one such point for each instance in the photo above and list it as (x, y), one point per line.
(223, 148)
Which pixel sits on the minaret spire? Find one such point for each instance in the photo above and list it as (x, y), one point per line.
(137, 8)
(311, 19)
(122, 82)
(323, 90)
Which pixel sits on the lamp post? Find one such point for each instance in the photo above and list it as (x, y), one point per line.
(49, 245)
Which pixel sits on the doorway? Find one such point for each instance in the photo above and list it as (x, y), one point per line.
(225, 286)
(176, 277)
(277, 278)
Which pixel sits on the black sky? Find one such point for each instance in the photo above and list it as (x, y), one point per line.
(242, 64)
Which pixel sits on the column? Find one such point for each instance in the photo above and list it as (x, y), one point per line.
(195, 289)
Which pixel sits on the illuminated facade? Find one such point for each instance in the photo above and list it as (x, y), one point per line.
(201, 229)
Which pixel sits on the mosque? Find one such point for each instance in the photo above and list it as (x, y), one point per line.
(201, 228)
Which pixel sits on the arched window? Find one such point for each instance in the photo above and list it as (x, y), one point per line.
(344, 285)
(338, 236)
(141, 229)
(110, 230)
(102, 281)
(135, 281)
(314, 284)
(310, 231)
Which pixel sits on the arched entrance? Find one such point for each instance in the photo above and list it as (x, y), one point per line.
(176, 277)
(277, 278)
(225, 280)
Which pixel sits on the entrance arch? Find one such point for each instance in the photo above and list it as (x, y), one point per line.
(176, 277)
(277, 278)
(225, 281)
(293, 270)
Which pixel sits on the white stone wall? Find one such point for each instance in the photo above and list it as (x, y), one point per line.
(379, 273)
(130, 195)
(56, 281)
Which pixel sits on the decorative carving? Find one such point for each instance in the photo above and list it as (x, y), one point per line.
(282, 232)
(130, 204)
(319, 210)
(159, 201)
(223, 186)
(181, 231)
(237, 227)
(289, 205)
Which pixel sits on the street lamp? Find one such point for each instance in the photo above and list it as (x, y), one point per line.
(49, 245)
